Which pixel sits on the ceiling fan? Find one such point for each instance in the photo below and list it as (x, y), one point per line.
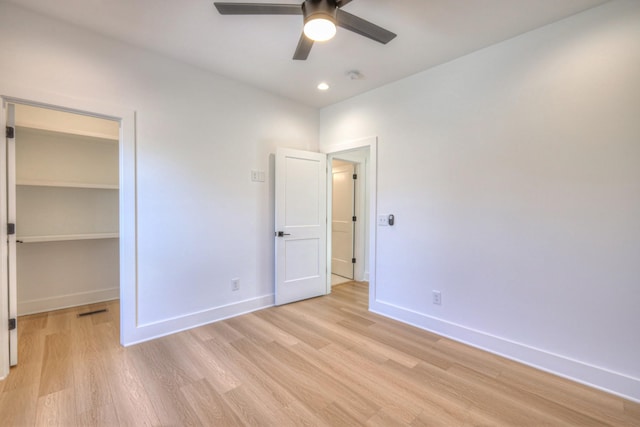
(320, 20)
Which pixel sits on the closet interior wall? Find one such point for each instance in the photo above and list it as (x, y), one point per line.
(66, 209)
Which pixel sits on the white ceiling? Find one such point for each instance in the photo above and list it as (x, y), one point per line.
(257, 49)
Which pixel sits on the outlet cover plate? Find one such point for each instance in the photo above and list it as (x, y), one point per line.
(437, 297)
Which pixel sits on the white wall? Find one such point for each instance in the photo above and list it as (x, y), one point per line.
(514, 176)
(55, 275)
(201, 221)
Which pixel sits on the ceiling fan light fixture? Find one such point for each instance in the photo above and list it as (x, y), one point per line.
(320, 29)
(319, 19)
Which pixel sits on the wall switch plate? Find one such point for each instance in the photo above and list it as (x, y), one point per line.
(383, 220)
(258, 176)
(437, 297)
(235, 284)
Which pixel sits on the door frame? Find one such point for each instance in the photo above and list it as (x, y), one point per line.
(355, 209)
(369, 144)
(127, 205)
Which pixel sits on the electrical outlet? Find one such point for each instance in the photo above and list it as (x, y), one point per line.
(235, 284)
(437, 297)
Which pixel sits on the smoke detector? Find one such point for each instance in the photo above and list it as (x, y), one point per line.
(355, 75)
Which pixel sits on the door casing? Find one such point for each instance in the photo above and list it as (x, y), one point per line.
(127, 205)
(370, 146)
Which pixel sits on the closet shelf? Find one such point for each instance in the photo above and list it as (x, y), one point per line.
(45, 183)
(67, 237)
(96, 136)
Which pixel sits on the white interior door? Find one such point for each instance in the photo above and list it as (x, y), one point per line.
(301, 225)
(342, 213)
(11, 233)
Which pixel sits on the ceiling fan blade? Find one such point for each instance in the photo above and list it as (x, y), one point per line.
(341, 3)
(303, 49)
(258, 8)
(362, 27)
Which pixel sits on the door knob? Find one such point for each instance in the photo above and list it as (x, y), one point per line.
(282, 234)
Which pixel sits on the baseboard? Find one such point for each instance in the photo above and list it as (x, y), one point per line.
(153, 330)
(575, 370)
(65, 301)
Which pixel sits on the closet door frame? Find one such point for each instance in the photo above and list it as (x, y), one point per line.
(127, 205)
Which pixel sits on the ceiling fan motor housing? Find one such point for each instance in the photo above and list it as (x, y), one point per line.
(325, 9)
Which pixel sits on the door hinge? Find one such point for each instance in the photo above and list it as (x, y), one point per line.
(12, 324)
(11, 229)
(10, 132)
(355, 176)
(354, 219)
(353, 260)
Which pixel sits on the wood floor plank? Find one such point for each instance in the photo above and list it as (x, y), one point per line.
(90, 382)
(384, 419)
(365, 380)
(305, 388)
(32, 323)
(256, 382)
(359, 405)
(582, 399)
(32, 346)
(321, 362)
(99, 416)
(207, 363)
(336, 414)
(220, 331)
(211, 408)
(57, 409)
(57, 364)
(331, 329)
(323, 332)
(542, 407)
(256, 409)
(413, 396)
(423, 352)
(631, 410)
(18, 406)
(130, 399)
(60, 320)
(163, 375)
(29, 375)
(478, 395)
(301, 329)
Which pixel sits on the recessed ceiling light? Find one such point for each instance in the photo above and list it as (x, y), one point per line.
(323, 86)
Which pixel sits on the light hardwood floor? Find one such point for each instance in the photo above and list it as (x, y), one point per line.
(325, 361)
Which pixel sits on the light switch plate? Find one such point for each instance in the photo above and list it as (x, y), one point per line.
(257, 176)
(383, 220)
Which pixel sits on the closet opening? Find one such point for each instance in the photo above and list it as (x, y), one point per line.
(104, 236)
(63, 196)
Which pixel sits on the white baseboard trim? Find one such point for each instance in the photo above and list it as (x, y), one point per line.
(65, 301)
(153, 330)
(603, 379)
